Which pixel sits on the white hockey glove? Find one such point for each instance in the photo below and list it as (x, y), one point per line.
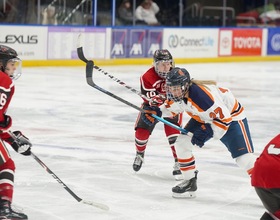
(21, 144)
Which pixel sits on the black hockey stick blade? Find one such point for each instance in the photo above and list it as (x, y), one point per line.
(82, 57)
(80, 49)
(89, 77)
(81, 54)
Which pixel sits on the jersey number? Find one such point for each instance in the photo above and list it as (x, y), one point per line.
(3, 99)
(151, 94)
(273, 150)
(217, 111)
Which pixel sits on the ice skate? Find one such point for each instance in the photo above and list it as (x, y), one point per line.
(177, 172)
(267, 216)
(186, 189)
(138, 161)
(6, 212)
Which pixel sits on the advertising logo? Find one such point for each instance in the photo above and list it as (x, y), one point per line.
(175, 41)
(20, 39)
(247, 42)
(225, 43)
(119, 40)
(137, 38)
(275, 42)
(240, 42)
(154, 41)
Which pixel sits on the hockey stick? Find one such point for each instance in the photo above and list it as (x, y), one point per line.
(121, 82)
(82, 57)
(95, 204)
(89, 73)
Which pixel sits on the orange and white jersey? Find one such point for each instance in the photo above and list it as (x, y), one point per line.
(208, 104)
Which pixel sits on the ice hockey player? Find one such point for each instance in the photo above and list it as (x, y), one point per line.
(215, 113)
(266, 179)
(152, 84)
(10, 69)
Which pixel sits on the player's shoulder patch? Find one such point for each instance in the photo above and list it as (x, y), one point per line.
(200, 97)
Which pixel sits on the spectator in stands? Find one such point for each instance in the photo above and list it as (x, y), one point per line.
(125, 13)
(272, 14)
(8, 11)
(49, 15)
(147, 11)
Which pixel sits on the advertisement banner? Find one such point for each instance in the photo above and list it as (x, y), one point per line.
(120, 47)
(191, 42)
(29, 42)
(240, 42)
(135, 43)
(273, 41)
(62, 42)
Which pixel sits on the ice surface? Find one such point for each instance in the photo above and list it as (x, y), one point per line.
(87, 139)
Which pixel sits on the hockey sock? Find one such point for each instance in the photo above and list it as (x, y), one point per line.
(141, 139)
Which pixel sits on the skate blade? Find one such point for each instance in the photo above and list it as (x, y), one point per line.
(187, 195)
(178, 177)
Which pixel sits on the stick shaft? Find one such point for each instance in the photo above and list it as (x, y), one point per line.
(89, 72)
(56, 177)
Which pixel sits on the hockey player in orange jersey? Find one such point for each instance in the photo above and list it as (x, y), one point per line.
(215, 113)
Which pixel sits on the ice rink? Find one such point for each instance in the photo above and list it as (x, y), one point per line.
(87, 139)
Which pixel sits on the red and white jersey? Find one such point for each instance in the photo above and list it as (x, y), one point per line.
(152, 84)
(209, 104)
(6, 92)
(267, 166)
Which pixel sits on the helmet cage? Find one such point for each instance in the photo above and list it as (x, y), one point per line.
(159, 65)
(7, 55)
(17, 72)
(177, 84)
(161, 57)
(177, 92)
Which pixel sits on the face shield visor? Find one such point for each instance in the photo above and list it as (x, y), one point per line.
(13, 68)
(177, 92)
(162, 67)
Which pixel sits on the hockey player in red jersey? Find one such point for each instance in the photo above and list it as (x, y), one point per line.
(215, 113)
(266, 179)
(10, 69)
(152, 85)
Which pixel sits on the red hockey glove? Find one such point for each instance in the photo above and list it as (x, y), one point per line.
(157, 100)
